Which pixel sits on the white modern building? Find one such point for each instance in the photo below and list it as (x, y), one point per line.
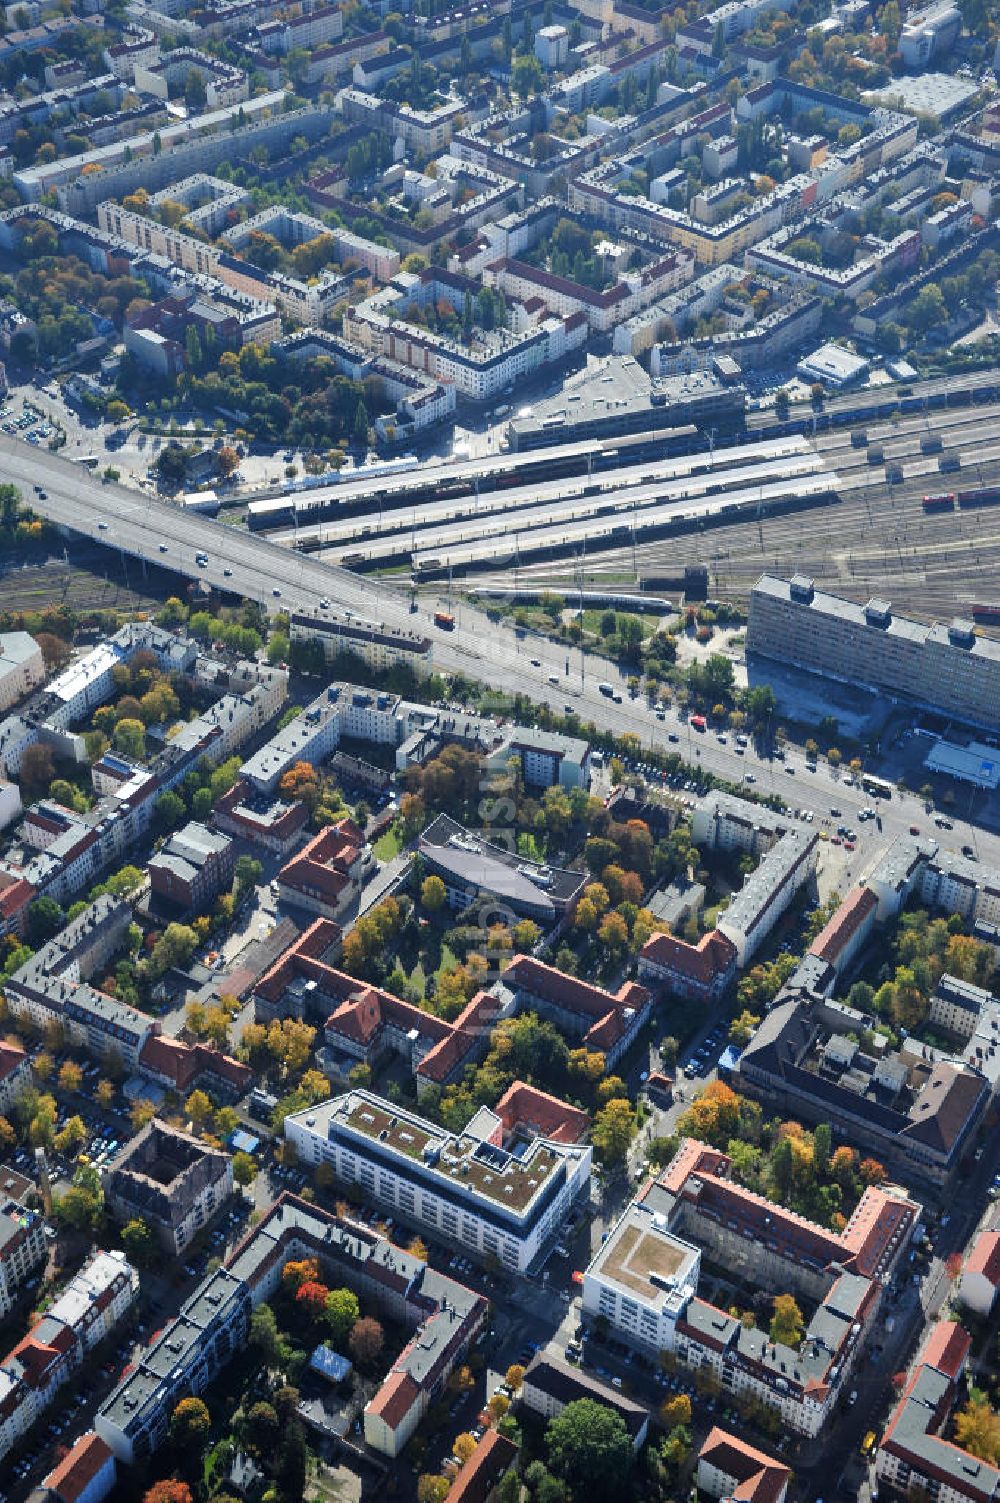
(22, 667)
(496, 1199)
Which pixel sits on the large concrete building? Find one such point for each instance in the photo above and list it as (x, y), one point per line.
(948, 668)
(188, 1353)
(501, 1198)
(171, 1181)
(643, 1282)
(915, 1109)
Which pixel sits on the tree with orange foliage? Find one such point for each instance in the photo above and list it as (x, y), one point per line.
(312, 1296)
(169, 1490)
(843, 1165)
(713, 1115)
(299, 1272)
(300, 783)
(872, 1172)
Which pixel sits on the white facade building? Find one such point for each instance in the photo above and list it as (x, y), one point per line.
(466, 1189)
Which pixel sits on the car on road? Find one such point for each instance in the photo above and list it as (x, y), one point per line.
(276, 593)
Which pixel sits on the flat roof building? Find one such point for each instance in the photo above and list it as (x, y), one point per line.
(189, 1352)
(468, 865)
(496, 1196)
(948, 668)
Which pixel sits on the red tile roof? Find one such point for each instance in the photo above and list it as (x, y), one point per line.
(544, 1114)
(79, 1467)
(985, 1257)
(947, 1348)
(842, 926)
(490, 1461)
(181, 1064)
(699, 1173)
(323, 867)
(569, 992)
(395, 1399)
(12, 1056)
(15, 897)
(712, 956)
(757, 1477)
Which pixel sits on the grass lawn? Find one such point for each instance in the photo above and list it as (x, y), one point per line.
(388, 845)
(592, 622)
(449, 960)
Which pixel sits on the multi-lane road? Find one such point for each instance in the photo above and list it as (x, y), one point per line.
(563, 678)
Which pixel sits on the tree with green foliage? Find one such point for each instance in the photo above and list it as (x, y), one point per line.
(589, 1449)
(342, 1313)
(45, 918)
(139, 1243)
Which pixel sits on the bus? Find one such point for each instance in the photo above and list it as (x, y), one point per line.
(877, 787)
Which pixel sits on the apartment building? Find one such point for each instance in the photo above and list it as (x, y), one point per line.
(428, 131)
(929, 34)
(191, 868)
(171, 1181)
(80, 688)
(913, 1455)
(550, 1383)
(502, 1201)
(377, 645)
(917, 1111)
(225, 84)
(22, 1249)
(605, 1021)
(729, 1468)
(87, 1310)
(723, 822)
(547, 759)
(326, 876)
(188, 1353)
(15, 1075)
(22, 667)
(767, 892)
(364, 1023)
(847, 931)
(262, 821)
(341, 710)
(480, 371)
(643, 1282)
(702, 971)
(602, 310)
(53, 988)
(86, 1474)
(947, 668)
(197, 144)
